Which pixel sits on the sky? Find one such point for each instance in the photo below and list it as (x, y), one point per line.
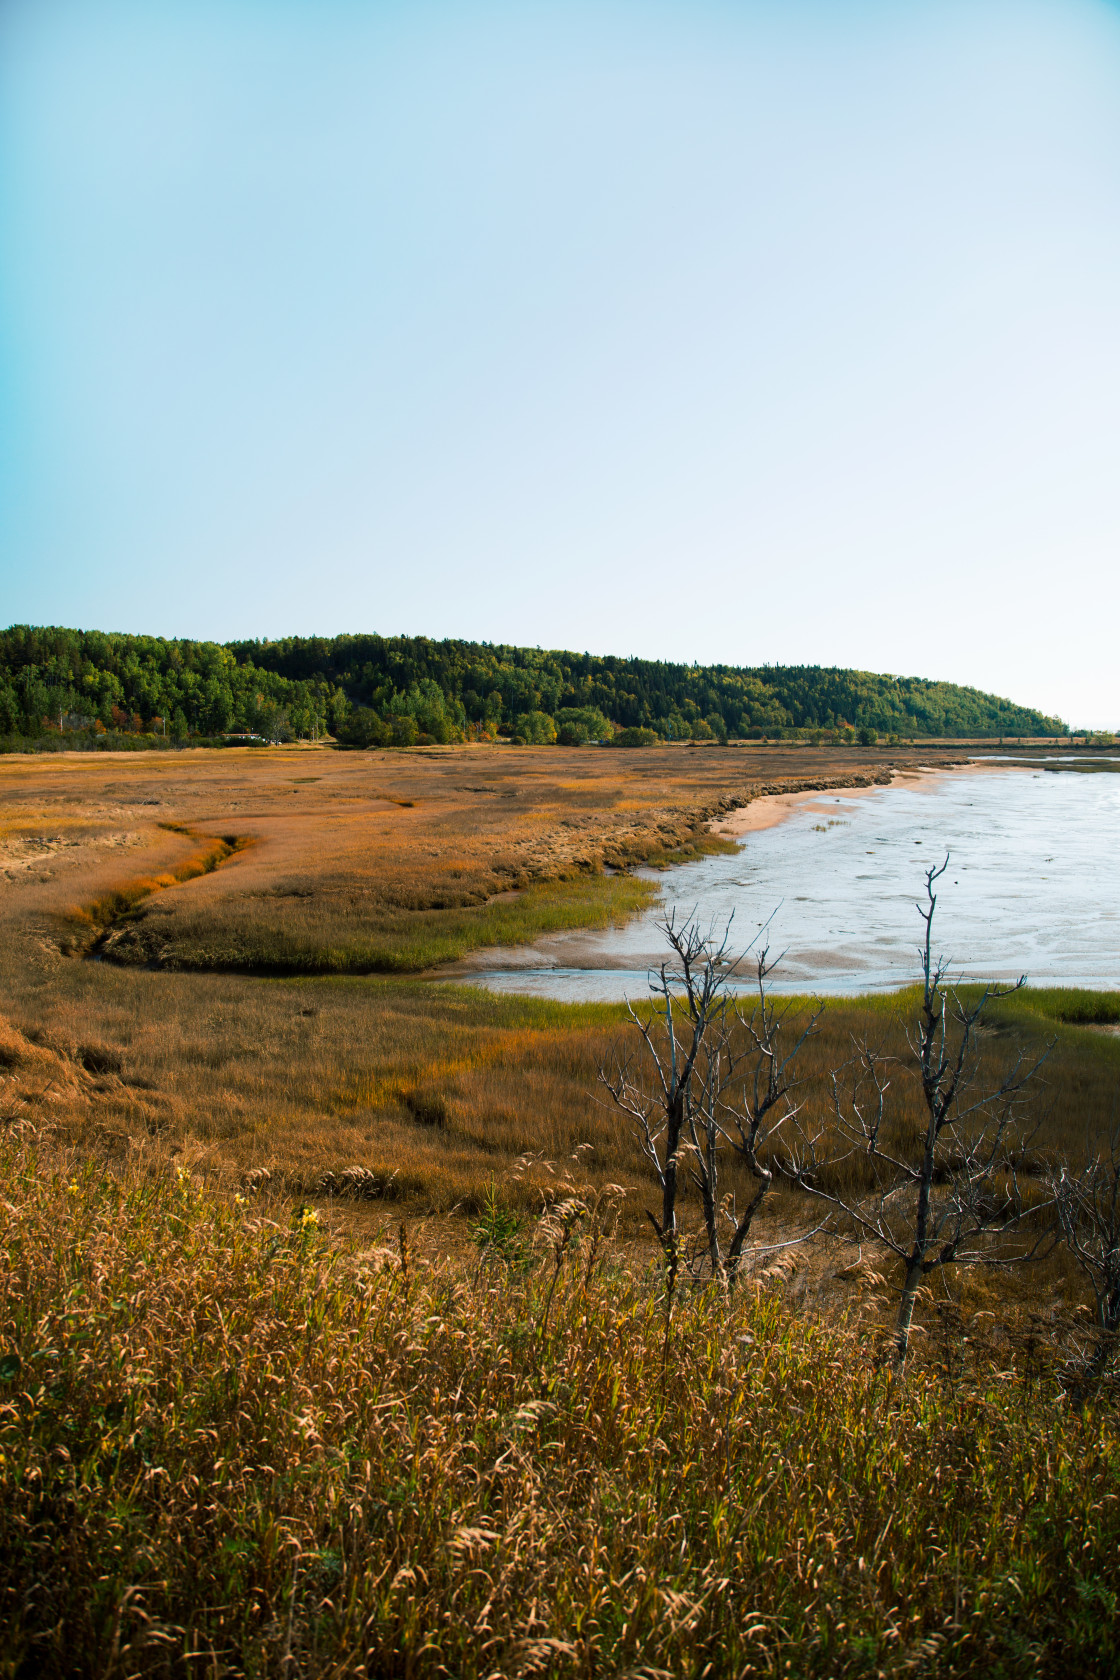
(751, 331)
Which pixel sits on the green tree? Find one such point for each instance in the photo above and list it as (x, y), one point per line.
(536, 729)
(217, 707)
(576, 725)
(403, 730)
(9, 709)
(442, 684)
(635, 738)
(363, 728)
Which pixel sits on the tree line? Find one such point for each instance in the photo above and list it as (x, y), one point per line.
(86, 683)
(399, 690)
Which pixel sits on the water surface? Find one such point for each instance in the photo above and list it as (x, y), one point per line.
(1033, 886)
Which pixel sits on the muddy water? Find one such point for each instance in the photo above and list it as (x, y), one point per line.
(1033, 886)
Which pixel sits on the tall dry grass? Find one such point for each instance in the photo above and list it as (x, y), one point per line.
(433, 1090)
(438, 1095)
(229, 1446)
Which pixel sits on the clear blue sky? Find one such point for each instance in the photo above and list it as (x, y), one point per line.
(780, 331)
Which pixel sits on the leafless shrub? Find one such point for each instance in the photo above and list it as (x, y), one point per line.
(720, 1082)
(952, 1195)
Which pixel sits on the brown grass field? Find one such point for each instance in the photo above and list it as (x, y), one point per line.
(188, 932)
(264, 1409)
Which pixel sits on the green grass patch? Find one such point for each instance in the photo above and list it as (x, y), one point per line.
(1035, 1012)
(386, 939)
(425, 938)
(1068, 1005)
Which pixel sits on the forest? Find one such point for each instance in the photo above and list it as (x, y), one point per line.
(84, 687)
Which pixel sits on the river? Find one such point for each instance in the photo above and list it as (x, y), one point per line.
(1032, 887)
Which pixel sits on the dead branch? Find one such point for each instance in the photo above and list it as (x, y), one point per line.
(957, 1200)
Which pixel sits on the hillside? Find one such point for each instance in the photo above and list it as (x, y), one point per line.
(400, 689)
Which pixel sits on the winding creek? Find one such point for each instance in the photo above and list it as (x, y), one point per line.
(1033, 886)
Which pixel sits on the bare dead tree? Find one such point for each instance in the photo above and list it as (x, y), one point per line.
(744, 1099)
(1089, 1217)
(951, 1201)
(707, 1094)
(691, 1017)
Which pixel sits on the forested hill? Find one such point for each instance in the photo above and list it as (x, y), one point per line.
(381, 688)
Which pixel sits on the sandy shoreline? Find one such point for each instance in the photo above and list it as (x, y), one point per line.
(770, 809)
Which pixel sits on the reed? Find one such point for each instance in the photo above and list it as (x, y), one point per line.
(231, 1445)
